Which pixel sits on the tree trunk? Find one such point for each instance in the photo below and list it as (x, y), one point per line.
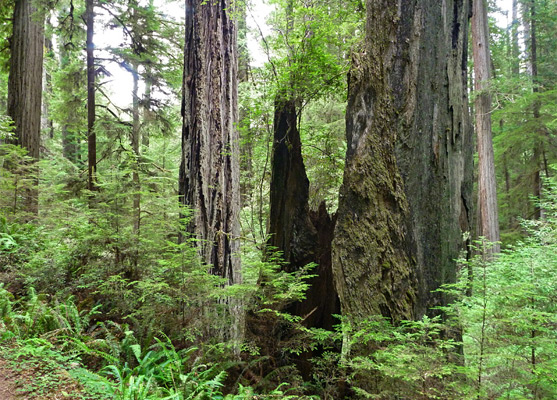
(405, 199)
(209, 174)
(25, 83)
(515, 48)
(47, 124)
(135, 140)
(71, 121)
(91, 135)
(538, 147)
(487, 185)
(302, 236)
(147, 112)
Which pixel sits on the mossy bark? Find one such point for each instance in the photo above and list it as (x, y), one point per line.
(405, 199)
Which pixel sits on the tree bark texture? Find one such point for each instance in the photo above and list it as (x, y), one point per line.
(487, 185)
(301, 235)
(91, 116)
(209, 174)
(25, 82)
(405, 198)
(26, 73)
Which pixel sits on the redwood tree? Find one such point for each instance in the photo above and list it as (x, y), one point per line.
(209, 174)
(487, 186)
(405, 199)
(25, 81)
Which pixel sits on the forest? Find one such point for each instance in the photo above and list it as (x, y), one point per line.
(278, 199)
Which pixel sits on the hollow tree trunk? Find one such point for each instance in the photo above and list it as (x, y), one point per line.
(405, 198)
(209, 174)
(25, 83)
(301, 235)
(487, 185)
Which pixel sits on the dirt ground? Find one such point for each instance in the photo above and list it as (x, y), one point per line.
(7, 383)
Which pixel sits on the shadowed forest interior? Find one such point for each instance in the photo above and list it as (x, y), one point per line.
(279, 199)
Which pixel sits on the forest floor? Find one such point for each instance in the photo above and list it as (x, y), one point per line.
(25, 376)
(8, 383)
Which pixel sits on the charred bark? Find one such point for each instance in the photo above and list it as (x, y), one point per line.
(405, 199)
(302, 236)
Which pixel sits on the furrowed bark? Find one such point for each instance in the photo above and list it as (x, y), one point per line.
(405, 199)
(25, 85)
(209, 175)
(487, 186)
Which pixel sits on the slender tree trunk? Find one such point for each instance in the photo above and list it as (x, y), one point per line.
(71, 121)
(46, 119)
(246, 144)
(91, 135)
(25, 85)
(538, 147)
(515, 48)
(135, 140)
(487, 186)
(405, 198)
(147, 112)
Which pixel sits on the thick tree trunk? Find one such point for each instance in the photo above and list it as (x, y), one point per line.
(302, 236)
(91, 135)
(25, 83)
(405, 199)
(209, 175)
(289, 223)
(487, 185)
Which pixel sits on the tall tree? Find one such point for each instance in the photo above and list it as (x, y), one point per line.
(405, 200)
(91, 115)
(487, 186)
(532, 49)
(209, 174)
(25, 81)
(515, 48)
